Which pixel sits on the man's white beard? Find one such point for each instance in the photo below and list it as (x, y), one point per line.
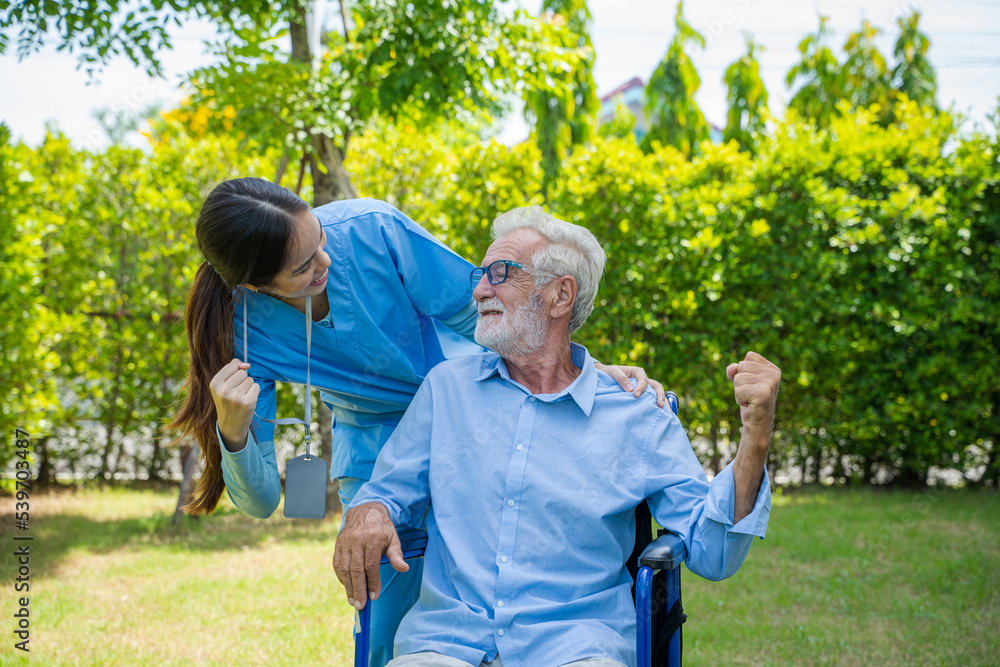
(513, 334)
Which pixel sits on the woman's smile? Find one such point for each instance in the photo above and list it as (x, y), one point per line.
(322, 279)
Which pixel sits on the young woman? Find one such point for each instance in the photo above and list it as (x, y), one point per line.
(388, 302)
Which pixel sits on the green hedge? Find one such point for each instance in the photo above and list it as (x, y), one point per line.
(862, 258)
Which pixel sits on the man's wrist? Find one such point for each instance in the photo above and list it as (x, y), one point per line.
(754, 444)
(760, 429)
(364, 507)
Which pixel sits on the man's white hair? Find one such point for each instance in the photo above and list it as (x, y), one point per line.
(570, 250)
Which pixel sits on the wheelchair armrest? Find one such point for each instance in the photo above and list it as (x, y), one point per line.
(664, 553)
(413, 541)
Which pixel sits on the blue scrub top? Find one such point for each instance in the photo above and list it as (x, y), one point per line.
(390, 285)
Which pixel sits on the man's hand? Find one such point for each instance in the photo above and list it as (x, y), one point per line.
(367, 534)
(755, 383)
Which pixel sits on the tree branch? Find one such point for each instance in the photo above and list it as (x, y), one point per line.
(282, 166)
(302, 174)
(124, 315)
(343, 19)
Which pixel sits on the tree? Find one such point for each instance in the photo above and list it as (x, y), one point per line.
(913, 75)
(746, 98)
(865, 76)
(818, 77)
(622, 123)
(564, 115)
(102, 31)
(415, 62)
(420, 60)
(675, 119)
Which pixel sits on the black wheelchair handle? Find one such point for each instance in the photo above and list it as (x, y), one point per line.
(664, 553)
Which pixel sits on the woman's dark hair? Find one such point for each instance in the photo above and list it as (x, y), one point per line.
(244, 231)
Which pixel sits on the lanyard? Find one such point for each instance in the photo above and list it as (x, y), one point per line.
(289, 420)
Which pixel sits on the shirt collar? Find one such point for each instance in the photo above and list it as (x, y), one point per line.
(582, 390)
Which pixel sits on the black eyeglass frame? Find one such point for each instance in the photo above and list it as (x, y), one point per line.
(477, 273)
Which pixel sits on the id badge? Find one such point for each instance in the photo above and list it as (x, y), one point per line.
(305, 487)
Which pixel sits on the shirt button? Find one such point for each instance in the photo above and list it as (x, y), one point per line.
(500, 632)
(510, 503)
(503, 559)
(532, 399)
(520, 447)
(499, 603)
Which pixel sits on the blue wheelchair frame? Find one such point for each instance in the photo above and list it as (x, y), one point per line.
(657, 591)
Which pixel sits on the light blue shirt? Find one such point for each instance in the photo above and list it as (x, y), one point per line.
(530, 511)
(391, 287)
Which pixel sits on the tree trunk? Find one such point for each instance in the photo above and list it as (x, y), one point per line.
(282, 167)
(112, 405)
(109, 444)
(869, 470)
(189, 458)
(120, 449)
(46, 476)
(153, 469)
(300, 35)
(326, 452)
(910, 476)
(156, 461)
(803, 455)
(335, 184)
(839, 470)
(330, 183)
(326, 161)
(325, 418)
(991, 474)
(817, 464)
(324, 414)
(106, 472)
(162, 442)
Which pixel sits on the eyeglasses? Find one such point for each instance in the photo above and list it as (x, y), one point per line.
(497, 272)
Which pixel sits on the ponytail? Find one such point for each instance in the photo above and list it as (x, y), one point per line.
(208, 318)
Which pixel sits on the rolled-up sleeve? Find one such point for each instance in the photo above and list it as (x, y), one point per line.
(683, 501)
(719, 506)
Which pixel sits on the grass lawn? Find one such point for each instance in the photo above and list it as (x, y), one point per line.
(858, 578)
(844, 577)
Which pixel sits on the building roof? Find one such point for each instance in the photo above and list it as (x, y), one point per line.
(628, 85)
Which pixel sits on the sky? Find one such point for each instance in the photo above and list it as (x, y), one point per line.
(630, 37)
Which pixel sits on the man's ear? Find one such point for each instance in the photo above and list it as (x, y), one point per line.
(564, 296)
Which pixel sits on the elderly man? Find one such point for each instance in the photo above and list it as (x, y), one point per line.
(529, 462)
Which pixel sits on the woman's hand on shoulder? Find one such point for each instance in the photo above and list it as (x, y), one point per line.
(623, 376)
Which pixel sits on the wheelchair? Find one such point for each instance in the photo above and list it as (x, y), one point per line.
(655, 566)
